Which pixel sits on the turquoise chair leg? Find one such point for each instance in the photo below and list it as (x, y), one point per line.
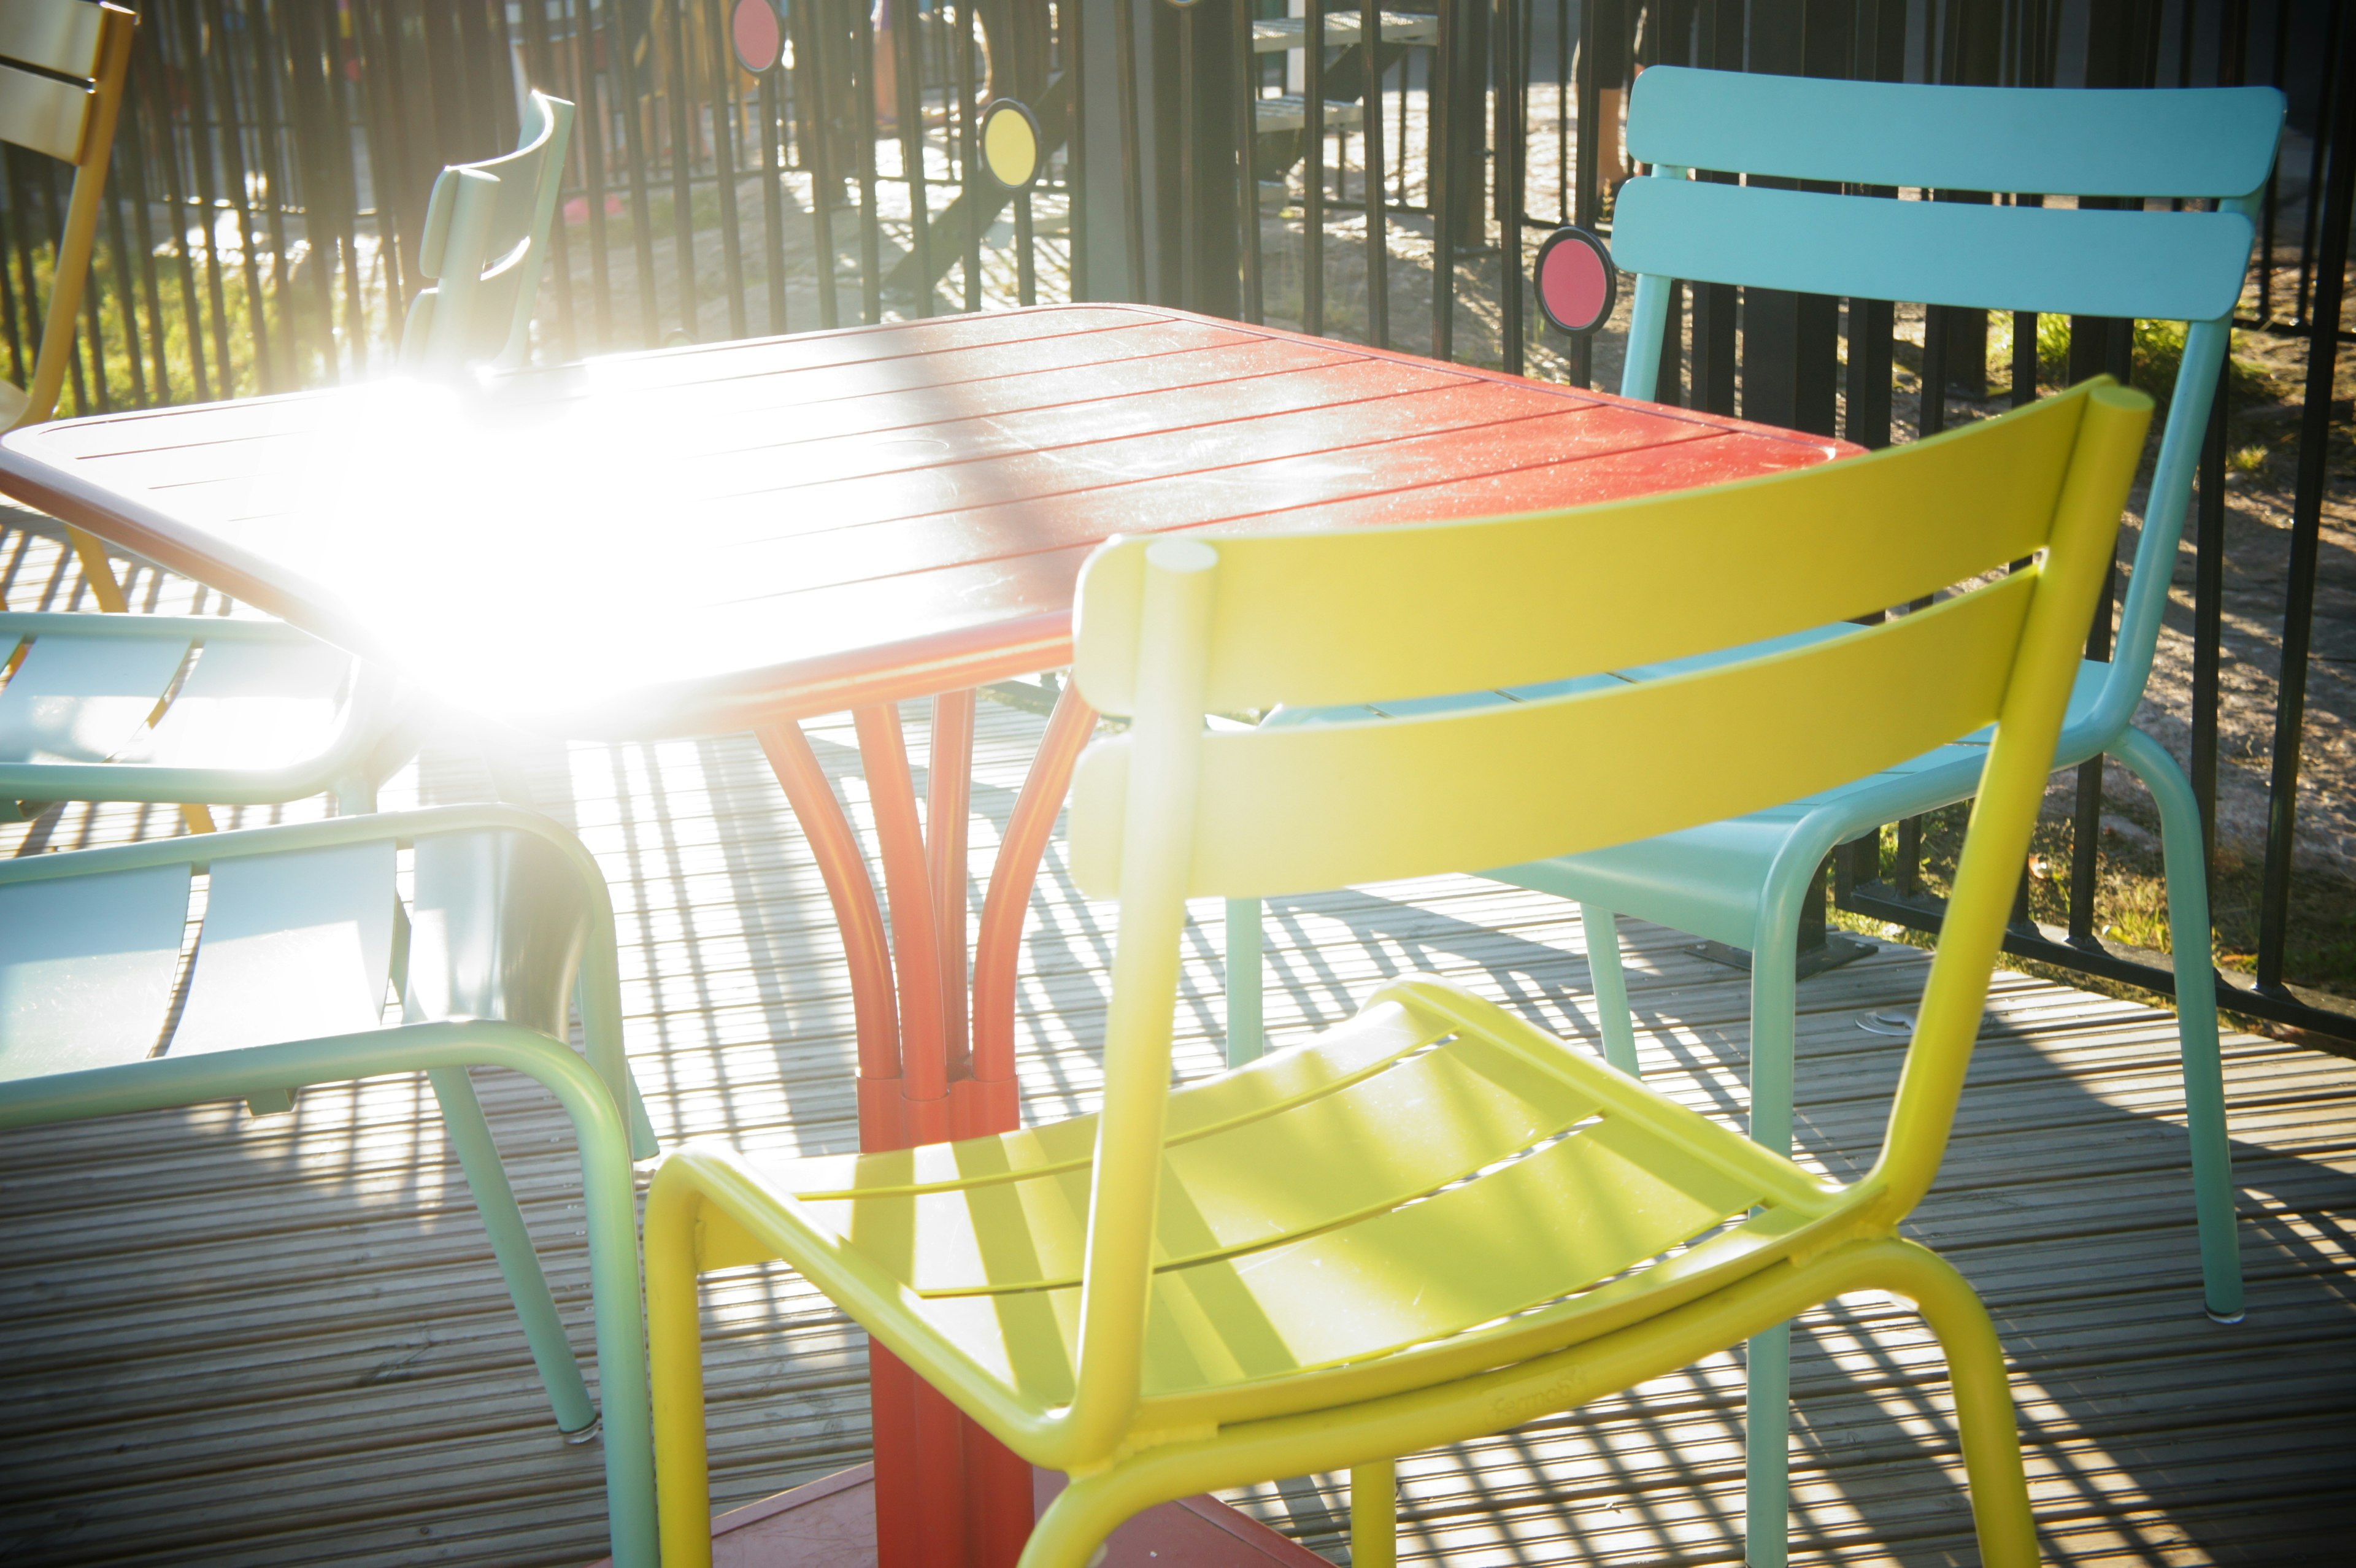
(2196, 1020)
(611, 1212)
(1766, 1428)
(1768, 1362)
(1611, 982)
(1245, 1037)
(462, 1114)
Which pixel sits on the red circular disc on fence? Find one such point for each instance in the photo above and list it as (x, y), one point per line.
(753, 29)
(1578, 284)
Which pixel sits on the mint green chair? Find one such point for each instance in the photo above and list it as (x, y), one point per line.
(485, 244)
(303, 936)
(1744, 881)
(112, 708)
(187, 708)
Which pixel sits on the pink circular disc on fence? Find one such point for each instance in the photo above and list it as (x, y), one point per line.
(1578, 284)
(759, 40)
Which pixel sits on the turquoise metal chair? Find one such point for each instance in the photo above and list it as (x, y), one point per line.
(1744, 881)
(187, 708)
(222, 712)
(485, 243)
(303, 936)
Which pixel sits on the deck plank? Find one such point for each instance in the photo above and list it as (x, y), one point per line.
(280, 1341)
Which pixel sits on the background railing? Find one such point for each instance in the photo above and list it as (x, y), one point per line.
(270, 183)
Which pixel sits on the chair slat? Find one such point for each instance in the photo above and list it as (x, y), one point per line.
(44, 113)
(496, 930)
(294, 946)
(2153, 266)
(1379, 1142)
(82, 698)
(55, 34)
(249, 705)
(86, 968)
(1347, 1051)
(2199, 142)
(1569, 1215)
(1485, 787)
(1306, 619)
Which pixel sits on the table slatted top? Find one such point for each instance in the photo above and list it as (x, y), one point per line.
(827, 519)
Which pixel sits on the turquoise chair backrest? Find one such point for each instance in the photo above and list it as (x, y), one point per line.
(2214, 144)
(485, 243)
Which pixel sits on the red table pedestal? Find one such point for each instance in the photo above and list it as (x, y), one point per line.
(944, 1493)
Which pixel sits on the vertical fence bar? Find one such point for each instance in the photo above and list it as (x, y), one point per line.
(725, 119)
(1248, 161)
(134, 140)
(909, 81)
(2306, 515)
(589, 129)
(2324, 110)
(683, 178)
(1378, 240)
(1132, 168)
(1189, 292)
(1439, 176)
(871, 233)
(1512, 126)
(815, 44)
(773, 206)
(1313, 166)
(968, 160)
(1586, 209)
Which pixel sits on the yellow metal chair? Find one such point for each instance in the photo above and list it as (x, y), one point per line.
(1437, 1220)
(72, 120)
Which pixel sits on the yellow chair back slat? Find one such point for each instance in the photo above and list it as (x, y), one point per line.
(72, 120)
(1485, 787)
(60, 35)
(44, 113)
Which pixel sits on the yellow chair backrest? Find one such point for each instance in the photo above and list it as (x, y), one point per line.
(1172, 629)
(71, 120)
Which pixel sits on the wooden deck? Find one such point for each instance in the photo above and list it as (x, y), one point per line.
(282, 1341)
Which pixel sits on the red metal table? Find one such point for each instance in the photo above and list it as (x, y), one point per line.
(712, 539)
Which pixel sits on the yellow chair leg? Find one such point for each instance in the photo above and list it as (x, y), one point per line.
(675, 1346)
(1373, 1515)
(1991, 1434)
(98, 572)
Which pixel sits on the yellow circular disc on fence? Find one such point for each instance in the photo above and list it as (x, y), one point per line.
(1010, 144)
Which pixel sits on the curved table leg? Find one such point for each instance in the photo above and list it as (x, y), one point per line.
(919, 1080)
(874, 1003)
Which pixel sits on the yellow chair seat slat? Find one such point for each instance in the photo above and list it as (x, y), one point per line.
(1322, 1275)
(1379, 1033)
(1376, 1142)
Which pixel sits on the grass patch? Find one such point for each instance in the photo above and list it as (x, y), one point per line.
(2131, 899)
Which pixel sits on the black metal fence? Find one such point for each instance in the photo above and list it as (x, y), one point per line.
(270, 182)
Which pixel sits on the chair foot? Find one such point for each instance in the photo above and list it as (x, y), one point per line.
(589, 1434)
(2228, 1318)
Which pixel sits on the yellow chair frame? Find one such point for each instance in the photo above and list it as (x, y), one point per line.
(74, 122)
(1437, 1220)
